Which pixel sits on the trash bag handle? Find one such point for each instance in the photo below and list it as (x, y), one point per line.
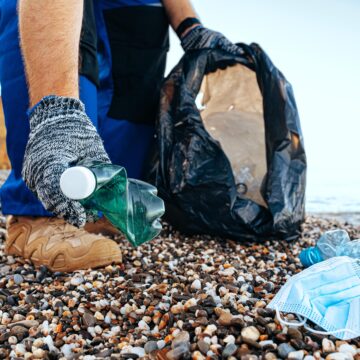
(211, 60)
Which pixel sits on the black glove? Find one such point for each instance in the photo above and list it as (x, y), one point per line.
(202, 38)
(61, 135)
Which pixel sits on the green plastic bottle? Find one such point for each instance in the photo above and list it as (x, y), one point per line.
(132, 206)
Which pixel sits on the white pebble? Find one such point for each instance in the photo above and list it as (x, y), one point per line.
(296, 355)
(39, 354)
(347, 348)
(190, 303)
(339, 356)
(66, 349)
(210, 329)
(142, 325)
(227, 272)
(328, 346)
(139, 351)
(126, 349)
(91, 331)
(115, 330)
(38, 343)
(160, 344)
(50, 343)
(250, 333)
(99, 316)
(196, 284)
(266, 343)
(180, 324)
(45, 329)
(12, 340)
(20, 349)
(76, 280)
(98, 329)
(230, 339)
(163, 306)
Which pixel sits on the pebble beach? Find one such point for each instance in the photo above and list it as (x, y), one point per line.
(176, 297)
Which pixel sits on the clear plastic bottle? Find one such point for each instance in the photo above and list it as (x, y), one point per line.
(132, 206)
(331, 243)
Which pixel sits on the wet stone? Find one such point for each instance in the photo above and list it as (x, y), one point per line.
(270, 356)
(30, 299)
(284, 350)
(252, 343)
(19, 331)
(150, 346)
(229, 350)
(269, 287)
(26, 323)
(203, 346)
(11, 300)
(281, 337)
(309, 357)
(225, 319)
(181, 351)
(298, 344)
(18, 279)
(88, 319)
(41, 273)
(294, 333)
(182, 338)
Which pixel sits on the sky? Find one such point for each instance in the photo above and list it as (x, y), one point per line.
(316, 44)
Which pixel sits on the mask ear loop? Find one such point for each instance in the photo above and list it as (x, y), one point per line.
(284, 322)
(307, 327)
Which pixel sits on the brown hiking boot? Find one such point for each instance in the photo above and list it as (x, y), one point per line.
(102, 226)
(58, 245)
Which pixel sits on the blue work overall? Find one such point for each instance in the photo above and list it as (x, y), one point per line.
(120, 91)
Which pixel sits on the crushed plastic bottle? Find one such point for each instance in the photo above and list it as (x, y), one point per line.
(331, 243)
(132, 206)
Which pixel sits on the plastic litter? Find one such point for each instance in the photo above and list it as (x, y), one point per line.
(327, 294)
(331, 243)
(229, 158)
(130, 205)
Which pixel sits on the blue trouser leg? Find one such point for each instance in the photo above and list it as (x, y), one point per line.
(15, 197)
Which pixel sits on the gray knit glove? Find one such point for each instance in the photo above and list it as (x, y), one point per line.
(61, 135)
(202, 38)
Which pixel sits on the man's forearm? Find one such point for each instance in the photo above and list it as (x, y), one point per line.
(49, 37)
(178, 10)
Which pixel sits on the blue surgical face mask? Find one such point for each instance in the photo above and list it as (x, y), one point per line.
(328, 294)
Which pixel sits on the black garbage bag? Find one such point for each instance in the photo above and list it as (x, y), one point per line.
(236, 168)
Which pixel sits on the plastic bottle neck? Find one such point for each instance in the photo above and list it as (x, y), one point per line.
(311, 256)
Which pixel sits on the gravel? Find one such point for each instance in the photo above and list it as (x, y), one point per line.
(176, 297)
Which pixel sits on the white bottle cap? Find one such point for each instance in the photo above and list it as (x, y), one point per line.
(77, 182)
